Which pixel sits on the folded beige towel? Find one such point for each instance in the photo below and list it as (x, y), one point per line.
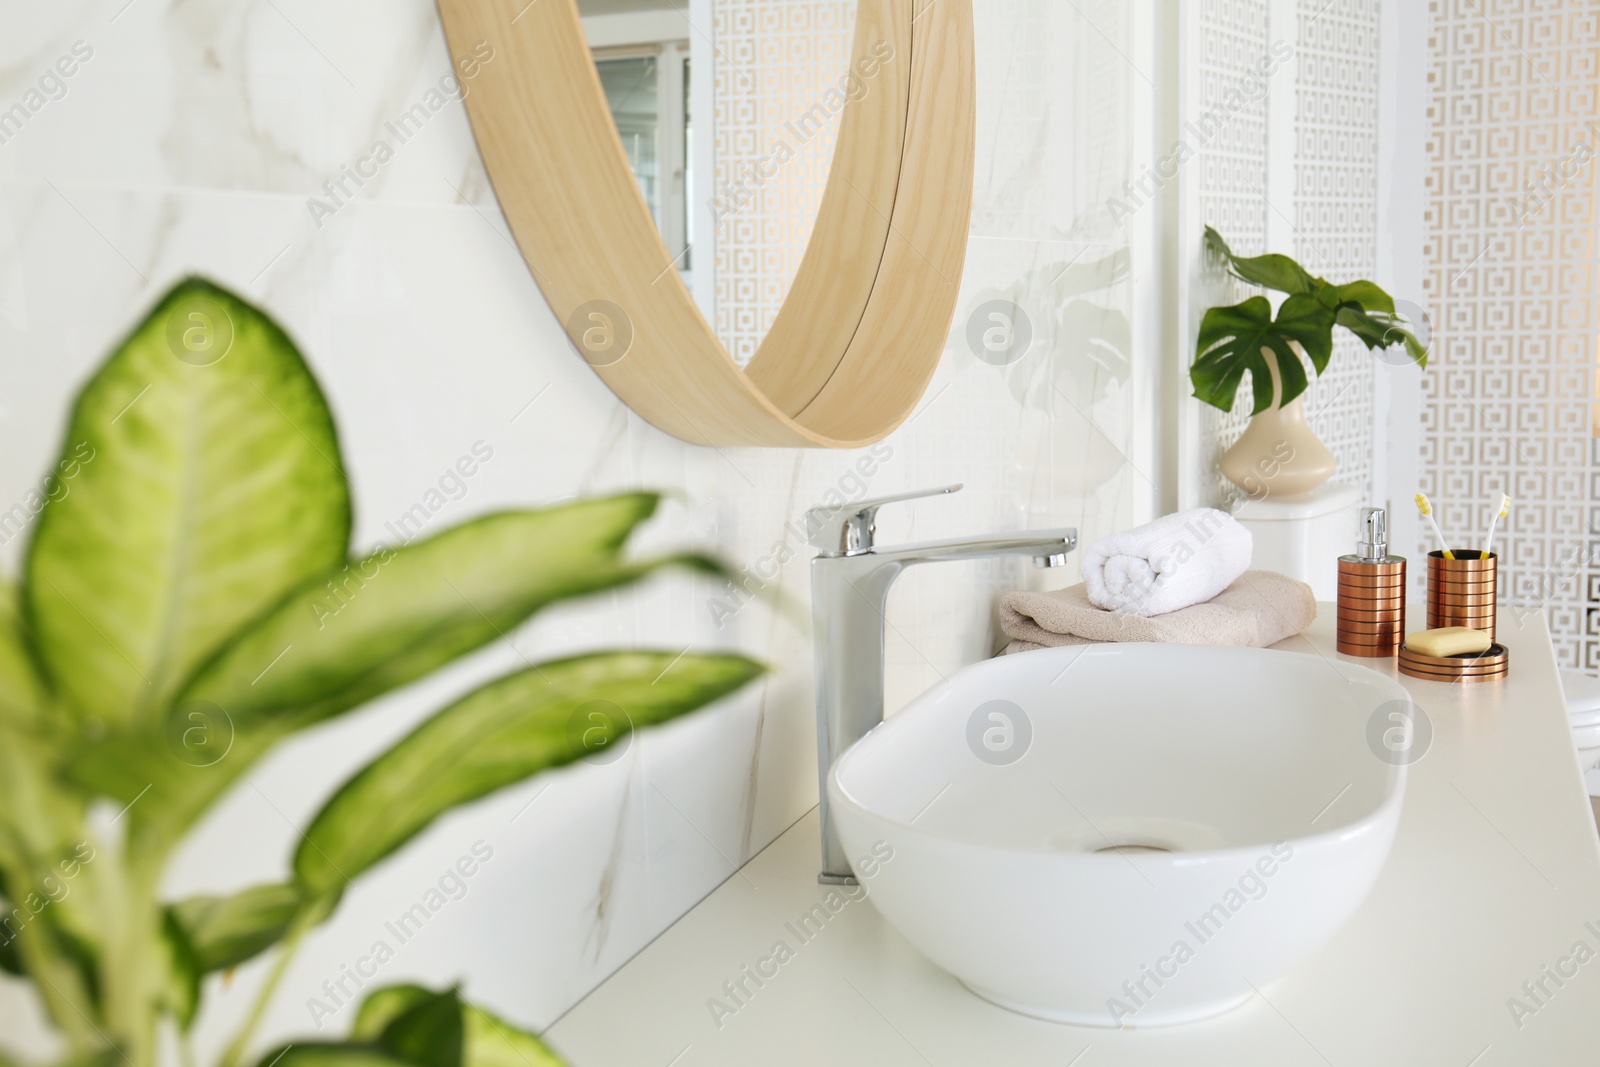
(1261, 608)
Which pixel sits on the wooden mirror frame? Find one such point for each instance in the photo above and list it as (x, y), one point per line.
(857, 340)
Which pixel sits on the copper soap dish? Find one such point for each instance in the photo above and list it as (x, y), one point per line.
(1467, 667)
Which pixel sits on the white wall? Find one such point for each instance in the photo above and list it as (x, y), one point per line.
(192, 140)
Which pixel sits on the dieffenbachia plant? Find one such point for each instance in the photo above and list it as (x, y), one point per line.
(1232, 338)
(173, 624)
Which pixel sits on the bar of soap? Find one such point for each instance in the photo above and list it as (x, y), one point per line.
(1448, 641)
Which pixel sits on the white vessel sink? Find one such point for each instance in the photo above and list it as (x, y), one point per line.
(1161, 831)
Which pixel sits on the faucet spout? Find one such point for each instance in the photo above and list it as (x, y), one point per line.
(1048, 548)
(849, 592)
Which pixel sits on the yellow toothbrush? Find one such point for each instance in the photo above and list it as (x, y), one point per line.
(1505, 509)
(1427, 513)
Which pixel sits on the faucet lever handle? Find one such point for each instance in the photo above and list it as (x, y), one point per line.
(847, 529)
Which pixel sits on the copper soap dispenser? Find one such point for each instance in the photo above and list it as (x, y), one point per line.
(1372, 593)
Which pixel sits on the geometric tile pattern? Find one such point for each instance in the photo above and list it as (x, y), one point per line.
(1335, 208)
(1514, 292)
(777, 61)
(1232, 182)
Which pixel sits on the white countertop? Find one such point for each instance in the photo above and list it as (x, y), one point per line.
(1494, 874)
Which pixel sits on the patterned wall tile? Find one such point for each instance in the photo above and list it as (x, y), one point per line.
(1514, 288)
(778, 106)
(1336, 206)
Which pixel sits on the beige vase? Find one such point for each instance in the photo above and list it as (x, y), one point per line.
(1278, 457)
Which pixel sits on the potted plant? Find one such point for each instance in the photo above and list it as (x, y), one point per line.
(1274, 348)
(189, 600)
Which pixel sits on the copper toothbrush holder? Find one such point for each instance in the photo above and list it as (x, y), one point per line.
(1463, 591)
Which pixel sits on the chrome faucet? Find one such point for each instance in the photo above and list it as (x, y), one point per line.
(850, 581)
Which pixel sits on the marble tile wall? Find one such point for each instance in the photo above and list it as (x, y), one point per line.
(201, 135)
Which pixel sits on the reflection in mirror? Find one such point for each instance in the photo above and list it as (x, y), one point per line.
(641, 52)
(778, 98)
(772, 82)
(641, 87)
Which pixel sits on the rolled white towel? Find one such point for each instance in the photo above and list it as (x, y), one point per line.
(1181, 559)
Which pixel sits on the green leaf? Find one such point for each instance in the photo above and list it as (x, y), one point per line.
(180, 990)
(42, 846)
(22, 691)
(1273, 271)
(328, 1054)
(1229, 345)
(1232, 341)
(10, 960)
(37, 821)
(390, 640)
(224, 932)
(429, 1032)
(381, 1007)
(373, 626)
(1303, 319)
(493, 1042)
(1364, 293)
(496, 736)
(490, 1040)
(34, 943)
(1379, 330)
(199, 495)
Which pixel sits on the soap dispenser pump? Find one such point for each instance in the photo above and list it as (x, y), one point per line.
(1372, 593)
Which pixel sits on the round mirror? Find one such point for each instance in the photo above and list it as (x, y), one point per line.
(751, 215)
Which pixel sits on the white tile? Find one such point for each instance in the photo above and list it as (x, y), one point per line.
(262, 97)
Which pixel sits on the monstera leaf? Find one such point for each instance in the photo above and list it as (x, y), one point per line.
(1233, 339)
(1271, 271)
(1246, 336)
(1381, 329)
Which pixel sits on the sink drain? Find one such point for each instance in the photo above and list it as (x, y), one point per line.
(1132, 849)
(1132, 836)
